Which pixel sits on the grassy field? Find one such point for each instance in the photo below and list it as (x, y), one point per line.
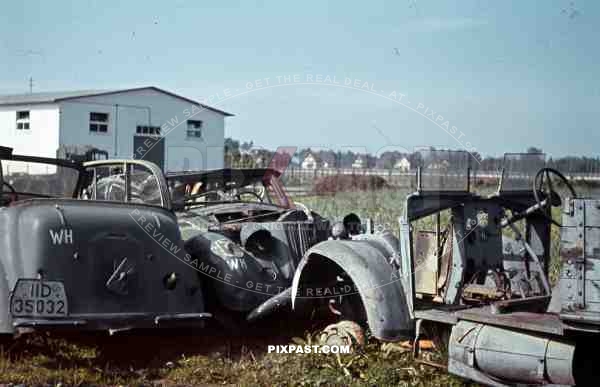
(210, 357)
(193, 358)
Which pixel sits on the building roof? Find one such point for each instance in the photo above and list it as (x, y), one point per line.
(53, 97)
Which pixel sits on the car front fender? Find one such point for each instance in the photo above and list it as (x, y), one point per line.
(376, 281)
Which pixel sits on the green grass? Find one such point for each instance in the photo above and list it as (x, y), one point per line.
(46, 359)
(384, 207)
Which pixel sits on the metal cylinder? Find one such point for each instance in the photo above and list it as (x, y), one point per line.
(509, 355)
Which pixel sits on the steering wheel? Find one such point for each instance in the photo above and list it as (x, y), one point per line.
(13, 192)
(306, 211)
(554, 199)
(238, 195)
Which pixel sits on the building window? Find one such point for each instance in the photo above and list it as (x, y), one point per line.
(147, 130)
(98, 122)
(23, 120)
(194, 128)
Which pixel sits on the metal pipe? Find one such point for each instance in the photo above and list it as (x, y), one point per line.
(490, 354)
(116, 129)
(508, 221)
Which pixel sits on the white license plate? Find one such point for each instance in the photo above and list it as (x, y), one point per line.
(37, 298)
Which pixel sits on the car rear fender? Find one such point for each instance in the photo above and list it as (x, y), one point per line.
(376, 281)
(5, 319)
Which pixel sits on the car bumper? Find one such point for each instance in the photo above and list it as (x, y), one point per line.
(113, 321)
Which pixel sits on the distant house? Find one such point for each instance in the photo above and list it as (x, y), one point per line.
(310, 162)
(260, 161)
(402, 165)
(393, 161)
(359, 163)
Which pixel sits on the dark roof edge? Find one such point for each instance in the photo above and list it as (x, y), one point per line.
(145, 88)
(28, 103)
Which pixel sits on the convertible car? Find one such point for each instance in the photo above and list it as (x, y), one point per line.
(116, 244)
(245, 235)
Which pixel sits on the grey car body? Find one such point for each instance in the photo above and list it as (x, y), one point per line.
(67, 262)
(116, 244)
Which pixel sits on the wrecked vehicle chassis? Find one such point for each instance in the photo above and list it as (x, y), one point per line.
(476, 267)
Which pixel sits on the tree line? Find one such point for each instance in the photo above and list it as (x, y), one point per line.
(248, 155)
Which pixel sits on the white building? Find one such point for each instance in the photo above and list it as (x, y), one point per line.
(358, 163)
(403, 165)
(310, 162)
(175, 132)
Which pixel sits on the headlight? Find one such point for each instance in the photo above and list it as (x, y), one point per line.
(225, 248)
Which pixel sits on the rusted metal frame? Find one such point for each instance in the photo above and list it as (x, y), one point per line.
(503, 306)
(438, 242)
(456, 274)
(521, 215)
(579, 261)
(500, 181)
(469, 179)
(407, 268)
(127, 175)
(416, 348)
(533, 256)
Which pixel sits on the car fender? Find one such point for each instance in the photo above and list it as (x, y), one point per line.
(5, 318)
(377, 282)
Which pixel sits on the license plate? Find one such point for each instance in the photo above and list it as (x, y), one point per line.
(37, 298)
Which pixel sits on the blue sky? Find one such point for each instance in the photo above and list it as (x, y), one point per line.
(506, 74)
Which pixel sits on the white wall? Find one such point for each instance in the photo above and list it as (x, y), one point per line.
(42, 137)
(146, 107)
(40, 140)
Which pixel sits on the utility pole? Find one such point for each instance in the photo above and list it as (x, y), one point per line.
(30, 85)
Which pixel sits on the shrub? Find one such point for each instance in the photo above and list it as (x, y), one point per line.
(343, 183)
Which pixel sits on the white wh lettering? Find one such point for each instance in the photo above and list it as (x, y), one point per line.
(62, 236)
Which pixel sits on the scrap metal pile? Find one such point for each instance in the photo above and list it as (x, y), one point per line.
(117, 244)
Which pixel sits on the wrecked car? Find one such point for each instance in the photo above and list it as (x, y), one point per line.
(68, 262)
(116, 244)
(245, 235)
(476, 267)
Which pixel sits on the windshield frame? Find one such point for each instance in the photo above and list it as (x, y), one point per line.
(45, 160)
(89, 176)
(269, 178)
